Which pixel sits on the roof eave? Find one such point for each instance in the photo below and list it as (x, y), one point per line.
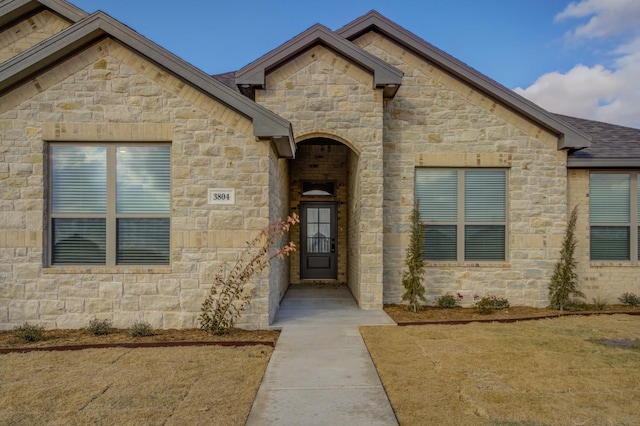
(568, 136)
(603, 163)
(385, 76)
(13, 10)
(266, 124)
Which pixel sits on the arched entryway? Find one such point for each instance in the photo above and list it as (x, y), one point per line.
(319, 193)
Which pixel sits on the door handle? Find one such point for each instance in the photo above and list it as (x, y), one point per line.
(333, 245)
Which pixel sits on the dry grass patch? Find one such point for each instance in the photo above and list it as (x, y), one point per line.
(547, 372)
(184, 385)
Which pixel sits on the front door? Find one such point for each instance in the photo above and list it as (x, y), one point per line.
(318, 245)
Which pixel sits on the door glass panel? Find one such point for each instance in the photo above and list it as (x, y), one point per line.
(325, 215)
(312, 215)
(318, 230)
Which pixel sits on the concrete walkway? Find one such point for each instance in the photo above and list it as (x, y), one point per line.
(320, 372)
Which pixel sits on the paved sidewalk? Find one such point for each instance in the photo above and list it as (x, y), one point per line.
(320, 372)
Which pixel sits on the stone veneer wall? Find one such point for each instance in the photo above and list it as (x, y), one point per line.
(108, 93)
(438, 121)
(606, 280)
(30, 32)
(321, 163)
(278, 209)
(323, 95)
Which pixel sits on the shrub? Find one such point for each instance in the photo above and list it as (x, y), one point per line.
(229, 295)
(576, 305)
(29, 332)
(629, 299)
(488, 304)
(140, 329)
(412, 277)
(599, 303)
(564, 281)
(449, 301)
(99, 327)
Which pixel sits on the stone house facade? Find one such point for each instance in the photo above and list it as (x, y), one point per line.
(127, 176)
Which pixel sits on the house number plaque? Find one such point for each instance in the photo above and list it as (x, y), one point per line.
(222, 196)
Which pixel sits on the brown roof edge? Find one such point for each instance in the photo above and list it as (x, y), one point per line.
(568, 136)
(384, 75)
(266, 124)
(13, 10)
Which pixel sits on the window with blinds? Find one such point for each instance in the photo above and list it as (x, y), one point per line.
(613, 216)
(109, 204)
(464, 212)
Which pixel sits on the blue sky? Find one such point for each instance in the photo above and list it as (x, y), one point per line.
(580, 58)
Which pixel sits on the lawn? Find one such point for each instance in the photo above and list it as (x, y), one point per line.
(172, 386)
(546, 372)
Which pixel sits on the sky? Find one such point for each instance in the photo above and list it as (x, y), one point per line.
(580, 58)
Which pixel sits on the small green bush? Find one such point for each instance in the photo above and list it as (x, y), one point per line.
(99, 327)
(488, 304)
(29, 332)
(576, 305)
(140, 329)
(629, 299)
(449, 300)
(599, 303)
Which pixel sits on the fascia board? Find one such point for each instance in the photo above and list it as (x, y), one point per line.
(266, 124)
(12, 10)
(568, 136)
(254, 73)
(603, 163)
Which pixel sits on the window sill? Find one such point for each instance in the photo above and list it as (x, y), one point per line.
(432, 264)
(106, 270)
(613, 263)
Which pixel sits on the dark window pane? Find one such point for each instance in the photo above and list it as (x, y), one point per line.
(78, 241)
(440, 242)
(484, 242)
(143, 242)
(610, 243)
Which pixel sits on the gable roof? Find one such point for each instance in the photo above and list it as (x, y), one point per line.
(612, 146)
(384, 75)
(568, 136)
(14, 10)
(266, 124)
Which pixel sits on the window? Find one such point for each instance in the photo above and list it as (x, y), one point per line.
(109, 204)
(614, 202)
(464, 212)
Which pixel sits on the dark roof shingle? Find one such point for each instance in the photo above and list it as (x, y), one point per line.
(610, 143)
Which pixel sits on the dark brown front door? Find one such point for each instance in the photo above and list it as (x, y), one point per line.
(318, 245)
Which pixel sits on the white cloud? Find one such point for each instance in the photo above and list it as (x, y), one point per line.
(604, 93)
(608, 17)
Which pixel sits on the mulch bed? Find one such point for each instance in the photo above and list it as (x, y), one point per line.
(434, 315)
(56, 340)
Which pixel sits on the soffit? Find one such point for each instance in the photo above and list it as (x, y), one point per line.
(568, 136)
(385, 76)
(12, 11)
(266, 124)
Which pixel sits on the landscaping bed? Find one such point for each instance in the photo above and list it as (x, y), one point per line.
(79, 339)
(458, 315)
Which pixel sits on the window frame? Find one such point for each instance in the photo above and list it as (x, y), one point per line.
(110, 216)
(634, 216)
(461, 223)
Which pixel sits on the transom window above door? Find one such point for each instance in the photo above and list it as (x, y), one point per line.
(109, 204)
(318, 188)
(464, 211)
